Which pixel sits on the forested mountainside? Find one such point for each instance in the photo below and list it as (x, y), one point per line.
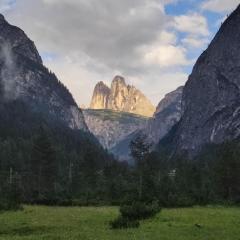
(45, 145)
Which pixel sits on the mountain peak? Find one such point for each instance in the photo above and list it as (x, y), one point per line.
(101, 85)
(2, 18)
(18, 41)
(121, 97)
(170, 98)
(100, 96)
(119, 79)
(101, 88)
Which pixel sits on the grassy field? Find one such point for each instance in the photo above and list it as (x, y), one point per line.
(56, 223)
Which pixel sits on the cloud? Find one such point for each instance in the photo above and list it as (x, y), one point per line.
(156, 88)
(193, 42)
(5, 5)
(166, 55)
(85, 41)
(166, 37)
(194, 28)
(220, 6)
(107, 31)
(194, 24)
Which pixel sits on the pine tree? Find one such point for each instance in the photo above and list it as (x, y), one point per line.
(140, 150)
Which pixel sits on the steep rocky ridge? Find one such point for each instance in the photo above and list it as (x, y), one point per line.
(167, 114)
(121, 97)
(23, 77)
(211, 97)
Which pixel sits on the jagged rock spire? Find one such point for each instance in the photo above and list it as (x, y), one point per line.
(121, 97)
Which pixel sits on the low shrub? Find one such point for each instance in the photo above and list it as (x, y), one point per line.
(122, 222)
(132, 213)
(140, 210)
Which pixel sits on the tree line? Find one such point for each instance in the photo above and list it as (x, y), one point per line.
(41, 171)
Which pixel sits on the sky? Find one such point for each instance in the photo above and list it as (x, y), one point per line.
(154, 44)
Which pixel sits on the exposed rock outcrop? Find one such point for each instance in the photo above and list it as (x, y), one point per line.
(121, 97)
(211, 97)
(111, 127)
(168, 113)
(100, 97)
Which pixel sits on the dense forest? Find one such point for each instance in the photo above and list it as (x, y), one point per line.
(42, 159)
(47, 163)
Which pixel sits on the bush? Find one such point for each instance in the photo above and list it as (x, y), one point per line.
(132, 213)
(140, 210)
(122, 222)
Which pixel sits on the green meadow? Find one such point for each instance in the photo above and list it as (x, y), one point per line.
(91, 223)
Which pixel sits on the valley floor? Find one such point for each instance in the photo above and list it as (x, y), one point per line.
(89, 223)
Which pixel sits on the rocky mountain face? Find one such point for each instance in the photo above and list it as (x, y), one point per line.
(115, 129)
(111, 127)
(100, 97)
(121, 97)
(211, 97)
(24, 78)
(167, 114)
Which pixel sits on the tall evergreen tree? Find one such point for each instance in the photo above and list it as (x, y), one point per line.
(140, 150)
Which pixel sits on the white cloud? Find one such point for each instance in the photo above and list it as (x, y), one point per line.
(166, 56)
(174, 80)
(166, 37)
(196, 30)
(193, 42)
(194, 24)
(164, 52)
(220, 6)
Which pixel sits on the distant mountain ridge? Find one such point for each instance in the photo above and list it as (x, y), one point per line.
(121, 97)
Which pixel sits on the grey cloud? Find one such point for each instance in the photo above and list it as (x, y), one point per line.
(4, 5)
(107, 31)
(96, 39)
